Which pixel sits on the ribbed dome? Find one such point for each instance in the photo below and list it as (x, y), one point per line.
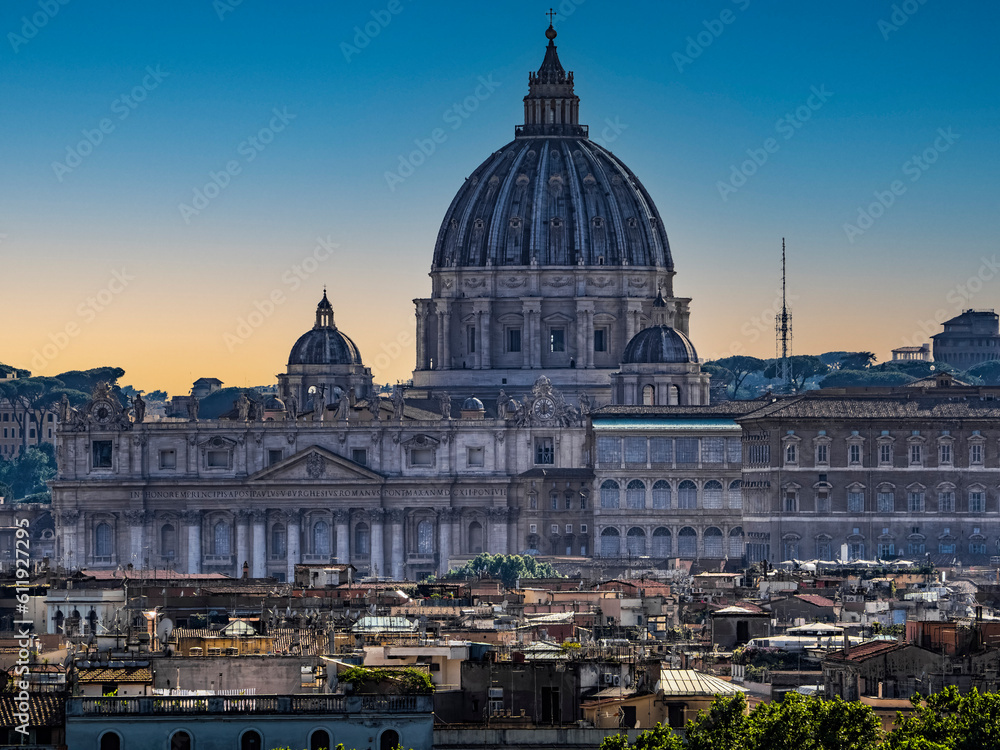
(324, 344)
(560, 201)
(659, 345)
(472, 404)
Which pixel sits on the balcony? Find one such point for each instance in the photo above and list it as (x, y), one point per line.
(257, 704)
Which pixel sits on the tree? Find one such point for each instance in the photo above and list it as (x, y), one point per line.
(26, 473)
(720, 728)
(719, 375)
(857, 361)
(948, 721)
(802, 366)
(657, 738)
(508, 568)
(987, 372)
(863, 378)
(87, 380)
(740, 366)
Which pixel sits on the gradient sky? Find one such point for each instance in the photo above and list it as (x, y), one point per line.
(99, 247)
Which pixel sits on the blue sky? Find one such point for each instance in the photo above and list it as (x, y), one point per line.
(684, 92)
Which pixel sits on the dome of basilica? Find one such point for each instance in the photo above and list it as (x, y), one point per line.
(324, 344)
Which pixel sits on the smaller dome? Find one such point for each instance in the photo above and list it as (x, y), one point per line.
(273, 403)
(324, 346)
(473, 404)
(659, 345)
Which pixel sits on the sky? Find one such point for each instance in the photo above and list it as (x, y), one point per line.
(178, 181)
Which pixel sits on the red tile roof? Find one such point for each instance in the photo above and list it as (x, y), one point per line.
(867, 650)
(816, 599)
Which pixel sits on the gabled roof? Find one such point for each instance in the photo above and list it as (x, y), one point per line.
(115, 674)
(681, 682)
(867, 650)
(326, 466)
(816, 600)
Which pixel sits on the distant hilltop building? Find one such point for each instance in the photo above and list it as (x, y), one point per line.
(920, 353)
(968, 339)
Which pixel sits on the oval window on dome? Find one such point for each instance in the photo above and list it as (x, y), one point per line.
(554, 154)
(522, 179)
(532, 154)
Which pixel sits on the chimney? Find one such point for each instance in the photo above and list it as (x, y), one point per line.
(847, 645)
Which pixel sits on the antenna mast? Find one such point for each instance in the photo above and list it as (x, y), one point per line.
(783, 331)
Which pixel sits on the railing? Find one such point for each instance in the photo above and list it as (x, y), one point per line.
(260, 704)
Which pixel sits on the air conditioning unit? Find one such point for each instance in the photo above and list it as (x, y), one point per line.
(617, 681)
(608, 678)
(496, 693)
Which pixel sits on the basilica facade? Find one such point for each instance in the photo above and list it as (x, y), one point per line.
(551, 301)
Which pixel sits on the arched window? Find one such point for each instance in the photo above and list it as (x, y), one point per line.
(714, 547)
(60, 619)
(110, 741)
(168, 540)
(220, 539)
(712, 495)
(687, 495)
(661, 542)
(278, 550)
(687, 543)
(636, 541)
(180, 741)
(320, 740)
(475, 537)
(791, 546)
(661, 495)
(611, 543)
(736, 494)
(389, 740)
(251, 740)
(362, 540)
(673, 395)
(736, 543)
(635, 495)
(102, 540)
(648, 395)
(609, 494)
(321, 538)
(425, 537)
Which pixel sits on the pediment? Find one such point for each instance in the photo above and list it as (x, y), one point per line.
(316, 464)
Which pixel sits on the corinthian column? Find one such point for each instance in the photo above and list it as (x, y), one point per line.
(242, 539)
(259, 516)
(396, 552)
(342, 520)
(497, 543)
(377, 558)
(69, 557)
(293, 539)
(192, 519)
(445, 516)
(136, 520)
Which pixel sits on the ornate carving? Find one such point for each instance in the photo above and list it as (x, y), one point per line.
(242, 515)
(341, 516)
(140, 439)
(376, 515)
(499, 436)
(558, 281)
(637, 282)
(545, 406)
(513, 282)
(599, 281)
(395, 515)
(497, 515)
(104, 411)
(136, 517)
(475, 283)
(69, 517)
(315, 466)
(191, 517)
(449, 515)
(258, 515)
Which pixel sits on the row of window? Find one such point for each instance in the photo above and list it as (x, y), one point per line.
(824, 550)
(31, 417)
(661, 543)
(556, 340)
(554, 529)
(660, 496)
(916, 452)
(886, 502)
(665, 451)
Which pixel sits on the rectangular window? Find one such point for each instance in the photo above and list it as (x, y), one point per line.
(915, 502)
(555, 529)
(635, 451)
(101, 454)
(609, 451)
(734, 451)
(600, 340)
(470, 339)
(977, 548)
(946, 549)
(790, 503)
(822, 454)
(532, 528)
(823, 503)
(916, 454)
(168, 459)
(544, 451)
(554, 501)
(661, 451)
(886, 549)
(513, 339)
(915, 548)
(885, 454)
(790, 453)
(217, 459)
(274, 456)
(583, 528)
(977, 502)
(421, 457)
(886, 502)
(854, 453)
(855, 502)
(712, 450)
(976, 454)
(476, 457)
(557, 340)
(946, 502)
(687, 450)
(944, 453)
(359, 456)
(569, 528)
